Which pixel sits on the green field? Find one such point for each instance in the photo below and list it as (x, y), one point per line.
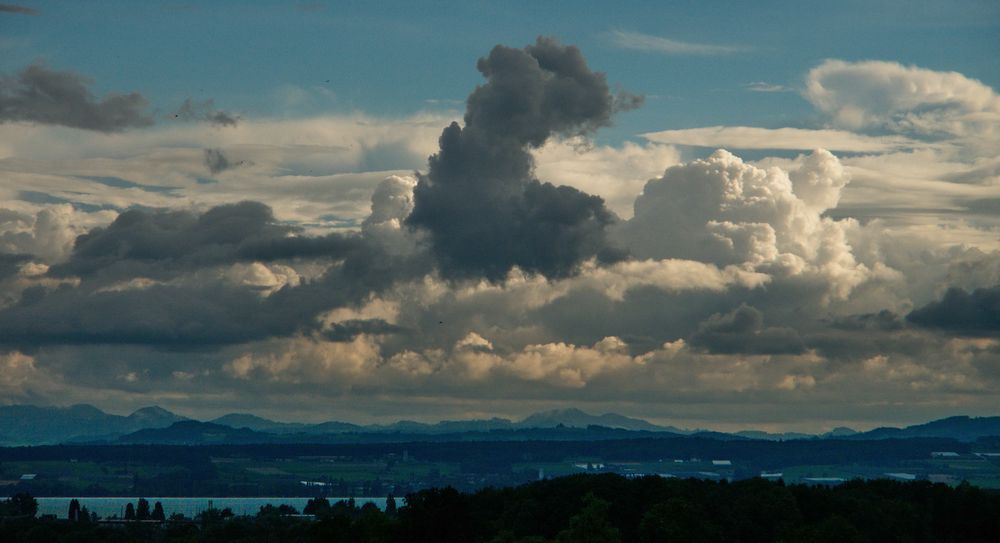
(382, 474)
(324, 469)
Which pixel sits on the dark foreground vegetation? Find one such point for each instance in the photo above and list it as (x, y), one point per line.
(576, 509)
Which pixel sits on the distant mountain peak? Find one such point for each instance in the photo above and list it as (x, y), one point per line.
(563, 412)
(37, 425)
(83, 409)
(152, 411)
(577, 418)
(840, 431)
(154, 416)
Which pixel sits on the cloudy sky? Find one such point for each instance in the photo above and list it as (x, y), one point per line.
(781, 215)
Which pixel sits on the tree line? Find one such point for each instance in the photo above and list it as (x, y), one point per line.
(579, 509)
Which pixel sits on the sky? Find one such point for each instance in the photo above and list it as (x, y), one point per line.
(778, 215)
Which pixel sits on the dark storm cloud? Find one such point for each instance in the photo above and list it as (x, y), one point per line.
(10, 264)
(967, 313)
(40, 95)
(479, 202)
(885, 321)
(122, 297)
(742, 331)
(159, 243)
(850, 339)
(11, 8)
(179, 317)
(172, 316)
(174, 238)
(205, 111)
(348, 330)
(266, 249)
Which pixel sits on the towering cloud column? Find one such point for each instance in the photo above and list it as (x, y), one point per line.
(480, 203)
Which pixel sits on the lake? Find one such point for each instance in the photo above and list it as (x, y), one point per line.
(189, 507)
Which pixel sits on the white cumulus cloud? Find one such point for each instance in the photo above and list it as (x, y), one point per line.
(903, 99)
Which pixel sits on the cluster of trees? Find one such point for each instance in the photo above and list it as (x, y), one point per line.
(321, 507)
(80, 514)
(21, 504)
(595, 509)
(140, 511)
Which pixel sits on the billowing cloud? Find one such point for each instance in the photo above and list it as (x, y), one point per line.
(903, 99)
(479, 203)
(920, 143)
(727, 212)
(392, 203)
(304, 360)
(40, 95)
(46, 234)
(616, 174)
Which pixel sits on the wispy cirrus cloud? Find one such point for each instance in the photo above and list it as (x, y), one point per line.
(751, 137)
(657, 44)
(764, 86)
(13, 8)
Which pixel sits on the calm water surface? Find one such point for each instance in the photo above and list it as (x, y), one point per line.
(189, 507)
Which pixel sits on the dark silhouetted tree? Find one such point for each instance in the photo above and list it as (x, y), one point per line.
(23, 504)
(272, 511)
(677, 520)
(591, 524)
(129, 511)
(834, 529)
(74, 510)
(158, 513)
(317, 506)
(142, 510)
(390, 506)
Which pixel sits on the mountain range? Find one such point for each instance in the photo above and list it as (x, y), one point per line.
(37, 425)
